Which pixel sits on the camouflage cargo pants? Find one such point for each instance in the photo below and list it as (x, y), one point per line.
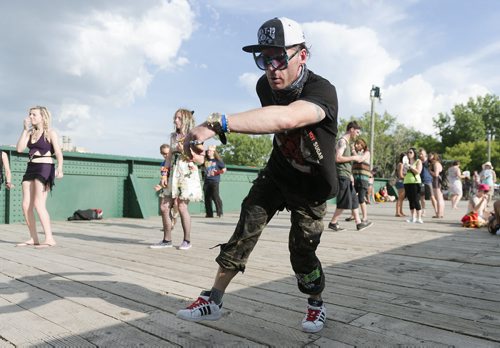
(257, 209)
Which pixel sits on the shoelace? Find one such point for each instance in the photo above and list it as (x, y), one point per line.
(199, 302)
(312, 314)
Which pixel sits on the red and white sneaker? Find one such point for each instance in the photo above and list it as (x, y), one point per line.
(314, 319)
(201, 309)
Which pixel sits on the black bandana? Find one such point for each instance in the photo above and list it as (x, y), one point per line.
(291, 93)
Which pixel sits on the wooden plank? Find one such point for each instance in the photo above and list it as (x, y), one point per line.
(160, 331)
(416, 334)
(395, 284)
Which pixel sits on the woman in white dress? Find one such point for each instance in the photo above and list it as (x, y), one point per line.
(455, 184)
(183, 181)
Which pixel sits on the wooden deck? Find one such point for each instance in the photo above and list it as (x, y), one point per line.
(434, 285)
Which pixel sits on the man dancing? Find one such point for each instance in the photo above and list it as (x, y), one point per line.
(300, 108)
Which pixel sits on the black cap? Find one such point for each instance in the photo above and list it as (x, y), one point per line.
(277, 32)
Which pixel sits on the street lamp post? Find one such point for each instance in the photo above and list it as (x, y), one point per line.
(489, 145)
(374, 94)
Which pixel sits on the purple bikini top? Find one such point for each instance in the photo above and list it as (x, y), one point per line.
(42, 146)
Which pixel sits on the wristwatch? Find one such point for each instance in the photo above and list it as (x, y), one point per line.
(215, 123)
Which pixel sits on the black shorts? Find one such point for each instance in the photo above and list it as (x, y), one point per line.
(43, 172)
(346, 198)
(436, 182)
(361, 187)
(426, 189)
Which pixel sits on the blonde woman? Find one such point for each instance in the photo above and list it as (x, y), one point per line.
(41, 171)
(183, 184)
(455, 177)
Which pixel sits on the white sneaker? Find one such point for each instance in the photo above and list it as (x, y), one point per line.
(185, 245)
(420, 221)
(161, 245)
(411, 220)
(201, 309)
(315, 318)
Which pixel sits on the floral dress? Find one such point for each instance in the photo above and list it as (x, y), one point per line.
(184, 179)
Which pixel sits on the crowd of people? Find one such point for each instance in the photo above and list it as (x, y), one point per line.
(308, 166)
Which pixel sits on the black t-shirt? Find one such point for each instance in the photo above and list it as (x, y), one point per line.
(303, 160)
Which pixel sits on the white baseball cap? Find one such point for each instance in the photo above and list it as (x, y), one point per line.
(277, 32)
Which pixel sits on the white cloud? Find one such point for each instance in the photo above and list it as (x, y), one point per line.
(71, 111)
(420, 98)
(475, 68)
(412, 102)
(115, 51)
(415, 101)
(352, 59)
(248, 82)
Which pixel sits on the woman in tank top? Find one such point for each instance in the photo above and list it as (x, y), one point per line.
(412, 183)
(400, 174)
(40, 173)
(435, 169)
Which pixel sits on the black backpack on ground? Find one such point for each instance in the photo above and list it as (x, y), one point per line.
(86, 214)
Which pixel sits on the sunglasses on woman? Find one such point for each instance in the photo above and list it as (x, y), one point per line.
(278, 62)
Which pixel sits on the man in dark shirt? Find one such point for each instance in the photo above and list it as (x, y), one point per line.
(426, 187)
(300, 108)
(213, 168)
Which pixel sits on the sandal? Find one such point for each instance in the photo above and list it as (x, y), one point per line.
(25, 244)
(44, 245)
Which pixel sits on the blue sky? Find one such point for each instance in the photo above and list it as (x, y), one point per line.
(114, 72)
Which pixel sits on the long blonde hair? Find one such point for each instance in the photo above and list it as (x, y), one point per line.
(46, 119)
(187, 120)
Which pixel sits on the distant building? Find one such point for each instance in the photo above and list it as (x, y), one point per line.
(68, 146)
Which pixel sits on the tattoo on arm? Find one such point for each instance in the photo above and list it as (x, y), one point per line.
(341, 145)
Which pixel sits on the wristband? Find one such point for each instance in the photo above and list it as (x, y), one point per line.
(227, 125)
(215, 123)
(224, 123)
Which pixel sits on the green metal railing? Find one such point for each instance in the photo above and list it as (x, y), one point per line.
(120, 186)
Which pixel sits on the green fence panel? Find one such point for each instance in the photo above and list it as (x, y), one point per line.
(120, 186)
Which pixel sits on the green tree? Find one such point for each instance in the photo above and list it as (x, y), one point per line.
(246, 150)
(473, 154)
(461, 152)
(470, 122)
(391, 138)
(429, 143)
(488, 107)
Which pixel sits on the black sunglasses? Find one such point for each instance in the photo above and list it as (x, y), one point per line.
(279, 62)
